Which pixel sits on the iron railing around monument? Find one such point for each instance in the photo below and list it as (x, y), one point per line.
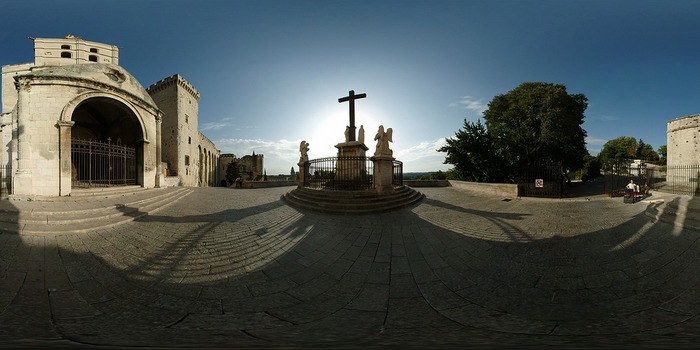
(397, 178)
(98, 164)
(340, 173)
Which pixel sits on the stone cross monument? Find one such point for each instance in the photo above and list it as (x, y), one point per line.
(351, 153)
(350, 98)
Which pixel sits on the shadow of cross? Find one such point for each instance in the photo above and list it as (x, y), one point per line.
(351, 97)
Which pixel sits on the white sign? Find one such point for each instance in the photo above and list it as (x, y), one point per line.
(539, 183)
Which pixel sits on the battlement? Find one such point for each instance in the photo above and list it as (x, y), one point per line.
(173, 80)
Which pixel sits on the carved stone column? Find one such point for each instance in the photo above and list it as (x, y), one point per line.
(64, 157)
(159, 164)
(22, 181)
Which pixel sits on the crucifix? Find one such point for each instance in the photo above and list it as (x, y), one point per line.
(351, 98)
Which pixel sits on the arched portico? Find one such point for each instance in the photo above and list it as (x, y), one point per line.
(102, 143)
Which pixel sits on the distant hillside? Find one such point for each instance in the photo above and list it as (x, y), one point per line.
(416, 175)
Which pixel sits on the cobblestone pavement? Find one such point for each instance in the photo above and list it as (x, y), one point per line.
(224, 268)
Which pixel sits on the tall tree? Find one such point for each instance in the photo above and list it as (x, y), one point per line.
(646, 152)
(473, 156)
(232, 172)
(623, 147)
(662, 155)
(538, 122)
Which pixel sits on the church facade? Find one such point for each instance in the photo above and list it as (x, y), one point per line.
(74, 118)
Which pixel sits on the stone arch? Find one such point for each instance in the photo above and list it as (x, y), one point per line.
(69, 109)
(104, 119)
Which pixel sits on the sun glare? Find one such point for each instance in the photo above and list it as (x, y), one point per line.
(328, 129)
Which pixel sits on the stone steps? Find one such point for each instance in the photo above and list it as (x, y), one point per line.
(683, 211)
(87, 212)
(352, 202)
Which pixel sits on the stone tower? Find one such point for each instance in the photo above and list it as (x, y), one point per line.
(186, 152)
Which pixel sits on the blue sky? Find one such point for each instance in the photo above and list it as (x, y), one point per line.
(270, 72)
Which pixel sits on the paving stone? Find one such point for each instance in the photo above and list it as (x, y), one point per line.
(241, 268)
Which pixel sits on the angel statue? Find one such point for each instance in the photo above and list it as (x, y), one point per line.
(383, 139)
(303, 148)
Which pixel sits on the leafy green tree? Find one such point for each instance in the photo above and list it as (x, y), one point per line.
(472, 154)
(662, 155)
(438, 175)
(232, 172)
(591, 167)
(646, 152)
(538, 122)
(623, 147)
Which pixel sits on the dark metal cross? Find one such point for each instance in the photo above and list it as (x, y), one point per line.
(351, 98)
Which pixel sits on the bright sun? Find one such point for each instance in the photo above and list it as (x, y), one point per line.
(328, 130)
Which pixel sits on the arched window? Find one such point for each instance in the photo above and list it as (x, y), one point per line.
(92, 58)
(65, 54)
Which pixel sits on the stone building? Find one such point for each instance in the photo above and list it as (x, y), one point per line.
(682, 142)
(75, 118)
(188, 154)
(250, 167)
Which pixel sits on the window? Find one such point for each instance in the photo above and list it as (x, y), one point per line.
(93, 50)
(65, 47)
(189, 140)
(92, 58)
(187, 118)
(65, 55)
(187, 160)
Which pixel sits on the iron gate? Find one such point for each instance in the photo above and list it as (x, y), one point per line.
(542, 181)
(98, 164)
(618, 174)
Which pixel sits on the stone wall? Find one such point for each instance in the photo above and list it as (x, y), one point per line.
(682, 143)
(487, 189)
(426, 183)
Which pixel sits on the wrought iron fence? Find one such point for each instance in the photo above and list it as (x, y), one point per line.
(5, 180)
(618, 174)
(397, 178)
(98, 164)
(545, 180)
(676, 179)
(340, 173)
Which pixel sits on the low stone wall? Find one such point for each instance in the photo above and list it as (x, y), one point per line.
(170, 181)
(268, 184)
(489, 189)
(426, 183)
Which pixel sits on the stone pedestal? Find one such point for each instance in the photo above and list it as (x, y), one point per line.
(383, 174)
(302, 174)
(353, 168)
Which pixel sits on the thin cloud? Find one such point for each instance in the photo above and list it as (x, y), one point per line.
(604, 118)
(595, 141)
(213, 125)
(421, 150)
(470, 103)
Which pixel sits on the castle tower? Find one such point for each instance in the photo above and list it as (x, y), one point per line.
(179, 102)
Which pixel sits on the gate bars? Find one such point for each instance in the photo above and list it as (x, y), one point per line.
(98, 164)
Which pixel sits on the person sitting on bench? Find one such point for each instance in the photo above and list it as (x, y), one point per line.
(632, 188)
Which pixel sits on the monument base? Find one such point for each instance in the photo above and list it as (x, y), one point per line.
(351, 149)
(383, 174)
